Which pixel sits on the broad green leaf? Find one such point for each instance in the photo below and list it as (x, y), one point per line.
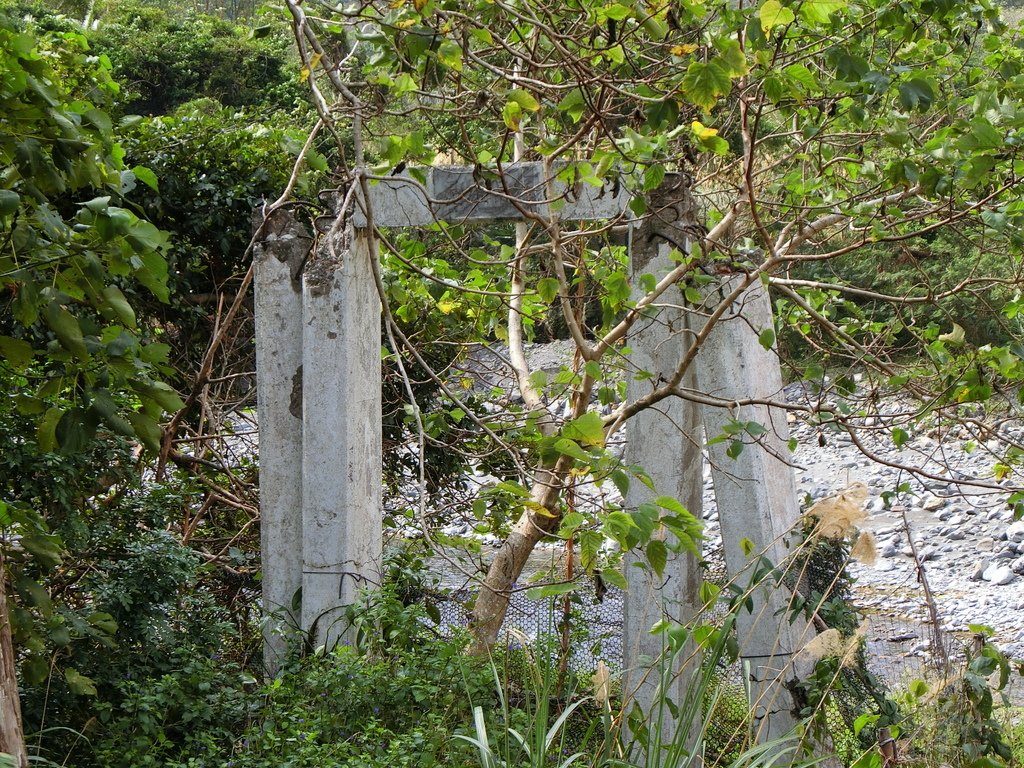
(525, 100)
(404, 84)
(450, 54)
(512, 115)
(767, 338)
(916, 93)
(820, 11)
(547, 289)
(613, 577)
(899, 437)
(119, 305)
(17, 352)
(160, 393)
(9, 202)
(773, 14)
(709, 592)
(67, 330)
(569, 448)
(573, 104)
(705, 82)
(552, 590)
(588, 429)
(46, 431)
(147, 177)
(153, 275)
(104, 405)
(79, 683)
(147, 430)
(143, 236)
(615, 54)
(616, 11)
(732, 57)
(709, 140)
(657, 555)
(672, 505)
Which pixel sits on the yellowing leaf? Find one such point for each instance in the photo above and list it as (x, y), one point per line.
(306, 71)
(683, 50)
(702, 132)
(446, 307)
(419, 5)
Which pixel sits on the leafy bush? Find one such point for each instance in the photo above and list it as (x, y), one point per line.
(167, 59)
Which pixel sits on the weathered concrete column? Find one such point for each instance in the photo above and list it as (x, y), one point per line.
(278, 306)
(756, 496)
(666, 442)
(341, 453)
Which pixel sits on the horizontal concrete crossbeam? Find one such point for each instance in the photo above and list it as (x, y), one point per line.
(463, 194)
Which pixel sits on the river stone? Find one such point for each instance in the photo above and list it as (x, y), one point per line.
(999, 574)
(1015, 532)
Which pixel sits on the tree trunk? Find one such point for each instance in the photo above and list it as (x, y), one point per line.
(12, 740)
(507, 565)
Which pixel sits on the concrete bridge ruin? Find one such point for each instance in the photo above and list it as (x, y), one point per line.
(319, 389)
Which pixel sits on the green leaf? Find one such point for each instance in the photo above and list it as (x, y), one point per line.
(162, 394)
(547, 289)
(767, 338)
(617, 12)
(143, 236)
(450, 54)
(147, 430)
(569, 448)
(403, 84)
(524, 99)
(103, 404)
(709, 592)
(67, 330)
(732, 57)
(588, 429)
(573, 104)
(46, 431)
(672, 505)
(621, 481)
(512, 115)
(899, 437)
(17, 352)
(705, 82)
(153, 275)
(657, 555)
(147, 177)
(613, 577)
(615, 54)
(916, 93)
(119, 305)
(820, 11)
(552, 590)
(773, 14)
(79, 683)
(9, 202)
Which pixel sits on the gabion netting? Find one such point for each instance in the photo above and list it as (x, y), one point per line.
(594, 633)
